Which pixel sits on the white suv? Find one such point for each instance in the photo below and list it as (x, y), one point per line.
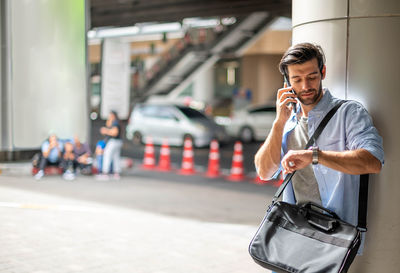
(174, 123)
(252, 123)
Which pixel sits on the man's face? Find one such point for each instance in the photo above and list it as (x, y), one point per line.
(306, 80)
(52, 139)
(68, 147)
(76, 140)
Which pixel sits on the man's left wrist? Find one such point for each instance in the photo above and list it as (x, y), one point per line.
(315, 155)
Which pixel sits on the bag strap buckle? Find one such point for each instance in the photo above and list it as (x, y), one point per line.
(361, 229)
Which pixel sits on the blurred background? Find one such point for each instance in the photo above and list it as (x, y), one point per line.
(193, 69)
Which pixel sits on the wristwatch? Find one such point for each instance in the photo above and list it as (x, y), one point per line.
(315, 151)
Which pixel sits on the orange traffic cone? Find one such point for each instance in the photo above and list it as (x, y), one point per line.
(149, 159)
(259, 181)
(187, 160)
(213, 160)
(164, 163)
(272, 182)
(237, 163)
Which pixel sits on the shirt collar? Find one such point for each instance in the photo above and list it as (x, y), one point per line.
(324, 104)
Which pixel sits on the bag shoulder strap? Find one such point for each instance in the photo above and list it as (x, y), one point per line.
(363, 202)
(363, 191)
(311, 141)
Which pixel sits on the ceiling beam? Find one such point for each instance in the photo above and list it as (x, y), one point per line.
(126, 17)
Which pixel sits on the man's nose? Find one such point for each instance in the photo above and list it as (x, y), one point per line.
(306, 85)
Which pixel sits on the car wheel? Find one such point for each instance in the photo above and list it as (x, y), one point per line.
(246, 135)
(137, 138)
(188, 136)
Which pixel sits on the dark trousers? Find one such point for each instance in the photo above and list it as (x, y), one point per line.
(67, 164)
(85, 168)
(45, 162)
(72, 165)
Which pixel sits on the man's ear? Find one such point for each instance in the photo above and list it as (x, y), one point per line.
(323, 72)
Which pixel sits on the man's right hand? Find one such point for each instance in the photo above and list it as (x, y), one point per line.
(268, 157)
(284, 97)
(53, 144)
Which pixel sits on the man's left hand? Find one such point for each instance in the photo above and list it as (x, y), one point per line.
(103, 130)
(296, 160)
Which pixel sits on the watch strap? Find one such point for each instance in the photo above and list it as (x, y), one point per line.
(315, 151)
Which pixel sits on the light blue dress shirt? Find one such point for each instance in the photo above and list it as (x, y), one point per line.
(350, 128)
(53, 155)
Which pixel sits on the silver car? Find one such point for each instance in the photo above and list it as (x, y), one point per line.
(253, 123)
(174, 123)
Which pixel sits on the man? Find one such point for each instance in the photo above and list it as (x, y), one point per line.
(83, 156)
(329, 173)
(112, 150)
(68, 161)
(51, 154)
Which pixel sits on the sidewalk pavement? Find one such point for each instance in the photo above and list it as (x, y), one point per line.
(16, 168)
(42, 233)
(25, 167)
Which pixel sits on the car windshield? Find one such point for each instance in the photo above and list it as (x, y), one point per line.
(263, 109)
(191, 113)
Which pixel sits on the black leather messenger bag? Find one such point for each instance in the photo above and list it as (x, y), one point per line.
(308, 238)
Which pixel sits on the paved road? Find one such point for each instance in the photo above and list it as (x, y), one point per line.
(146, 222)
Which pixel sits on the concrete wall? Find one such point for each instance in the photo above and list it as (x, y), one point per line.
(271, 42)
(361, 42)
(259, 65)
(261, 75)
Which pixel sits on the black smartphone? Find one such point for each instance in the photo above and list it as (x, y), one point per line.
(288, 85)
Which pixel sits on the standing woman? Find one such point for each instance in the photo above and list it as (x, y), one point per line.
(112, 151)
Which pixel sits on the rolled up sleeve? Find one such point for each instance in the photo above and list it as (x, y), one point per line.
(362, 134)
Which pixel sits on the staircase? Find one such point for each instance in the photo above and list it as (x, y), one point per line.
(189, 55)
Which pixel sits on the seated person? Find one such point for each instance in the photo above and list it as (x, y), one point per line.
(83, 156)
(68, 161)
(100, 145)
(51, 154)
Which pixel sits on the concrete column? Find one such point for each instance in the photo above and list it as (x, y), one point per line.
(5, 80)
(361, 41)
(203, 88)
(43, 71)
(2, 47)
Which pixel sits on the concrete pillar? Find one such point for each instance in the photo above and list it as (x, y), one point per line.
(203, 87)
(43, 71)
(361, 42)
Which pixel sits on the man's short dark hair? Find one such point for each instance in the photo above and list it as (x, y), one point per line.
(301, 53)
(115, 114)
